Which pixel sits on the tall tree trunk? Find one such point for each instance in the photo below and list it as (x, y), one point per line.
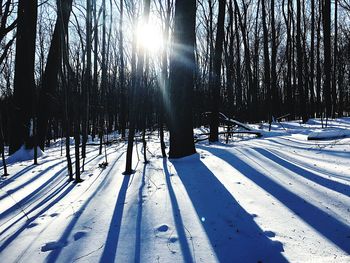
(288, 54)
(318, 62)
(255, 89)
(239, 99)
(230, 57)
(102, 108)
(274, 89)
(94, 89)
(136, 90)
(87, 87)
(267, 76)
(49, 86)
(164, 89)
(327, 55)
(24, 83)
(182, 65)
(216, 82)
(247, 59)
(121, 72)
(335, 59)
(312, 62)
(66, 81)
(300, 62)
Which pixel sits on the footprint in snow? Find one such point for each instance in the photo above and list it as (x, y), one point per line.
(173, 239)
(79, 235)
(163, 228)
(54, 214)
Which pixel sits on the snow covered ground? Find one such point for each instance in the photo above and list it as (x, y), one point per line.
(277, 198)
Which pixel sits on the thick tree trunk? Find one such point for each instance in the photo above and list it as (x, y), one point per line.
(182, 65)
(24, 84)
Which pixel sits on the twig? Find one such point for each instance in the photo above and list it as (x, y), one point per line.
(88, 254)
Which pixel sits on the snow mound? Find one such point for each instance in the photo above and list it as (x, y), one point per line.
(23, 154)
(325, 134)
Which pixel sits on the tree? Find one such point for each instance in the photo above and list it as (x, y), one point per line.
(215, 84)
(87, 87)
(327, 55)
(164, 87)
(135, 95)
(274, 89)
(24, 83)
(122, 72)
(49, 87)
(335, 60)
(267, 75)
(182, 65)
(312, 55)
(300, 63)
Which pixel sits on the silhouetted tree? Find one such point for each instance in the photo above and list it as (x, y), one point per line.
(182, 65)
(24, 83)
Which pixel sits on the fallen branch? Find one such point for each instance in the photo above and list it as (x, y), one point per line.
(258, 134)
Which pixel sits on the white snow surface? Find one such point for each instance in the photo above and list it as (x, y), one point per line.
(279, 198)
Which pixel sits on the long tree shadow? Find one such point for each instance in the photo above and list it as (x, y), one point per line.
(42, 189)
(50, 200)
(307, 164)
(139, 216)
(330, 184)
(111, 244)
(9, 179)
(34, 178)
(331, 228)
(233, 233)
(284, 142)
(44, 205)
(63, 240)
(180, 229)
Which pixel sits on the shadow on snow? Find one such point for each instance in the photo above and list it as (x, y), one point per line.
(330, 184)
(331, 228)
(232, 232)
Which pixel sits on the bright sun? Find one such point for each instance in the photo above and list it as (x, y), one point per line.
(150, 38)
